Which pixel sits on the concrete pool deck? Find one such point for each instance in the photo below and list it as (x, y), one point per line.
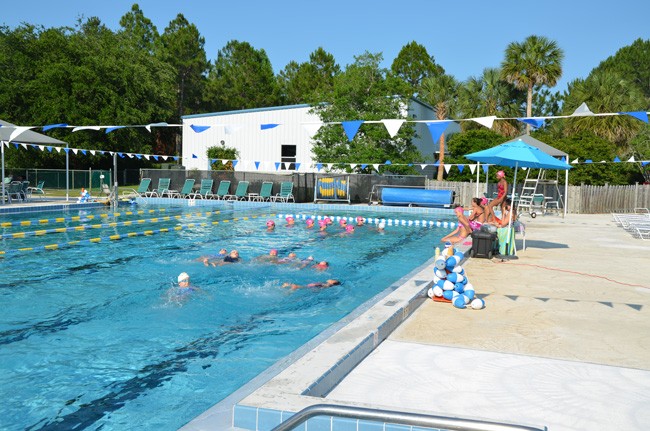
(564, 342)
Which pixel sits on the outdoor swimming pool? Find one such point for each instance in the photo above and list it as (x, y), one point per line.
(90, 336)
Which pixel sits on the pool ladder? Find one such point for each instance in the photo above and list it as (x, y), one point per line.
(402, 418)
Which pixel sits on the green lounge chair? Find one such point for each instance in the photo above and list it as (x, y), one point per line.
(205, 191)
(265, 191)
(223, 190)
(163, 188)
(38, 190)
(240, 193)
(186, 191)
(143, 189)
(286, 193)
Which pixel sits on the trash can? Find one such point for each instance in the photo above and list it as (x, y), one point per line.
(484, 244)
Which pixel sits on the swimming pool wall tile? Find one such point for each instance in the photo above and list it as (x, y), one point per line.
(320, 423)
(344, 424)
(245, 417)
(268, 419)
(370, 426)
(395, 427)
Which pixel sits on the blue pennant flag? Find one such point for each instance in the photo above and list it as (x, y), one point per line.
(616, 159)
(83, 152)
(319, 166)
(644, 163)
(257, 166)
(49, 149)
(234, 163)
(589, 161)
(461, 167)
(110, 129)
(67, 150)
(388, 162)
(639, 115)
(364, 166)
(199, 129)
(437, 163)
(16, 145)
(410, 164)
(213, 161)
(139, 156)
(175, 158)
(121, 155)
(351, 128)
(268, 126)
(536, 123)
(485, 168)
(54, 126)
(297, 166)
(155, 158)
(277, 165)
(437, 129)
(102, 152)
(194, 156)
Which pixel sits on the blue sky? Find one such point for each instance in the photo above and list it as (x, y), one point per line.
(464, 37)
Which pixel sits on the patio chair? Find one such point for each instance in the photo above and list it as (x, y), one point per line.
(15, 189)
(205, 191)
(265, 192)
(186, 191)
(163, 188)
(142, 190)
(240, 192)
(286, 192)
(222, 190)
(25, 192)
(38, 190)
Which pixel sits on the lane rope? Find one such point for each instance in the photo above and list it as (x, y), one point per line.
(76, 218)
(374, 220)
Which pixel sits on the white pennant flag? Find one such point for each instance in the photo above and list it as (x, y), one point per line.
(582, 111)
(165, 157)
(485, 121)
(353, 165)
(224, 161)
(423, 166)
(147, 156)
(76, 129)
(58, 149)
(231, 129)
(92, 152)
(376, 166)
(40, 147)
(24, 146)
(447, 167)
(17, 132)
(472, 168)
(329, 165)
(392, 126)
(75, 150)
(130, 155)
(312, 128)
(631, 159)
(286, 165)
(575, 161)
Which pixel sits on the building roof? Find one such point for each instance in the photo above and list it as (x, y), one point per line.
(244, 111)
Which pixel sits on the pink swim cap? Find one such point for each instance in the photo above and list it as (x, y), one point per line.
(270, 223)
(349, 228)
(322, 223)
(343, 222)
(289, 218)
(309, 221)
(459, 209)
(484, 201)
(359, 218)
(501, 174)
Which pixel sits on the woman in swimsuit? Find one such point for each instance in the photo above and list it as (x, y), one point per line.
(502, 191)
(478, 216)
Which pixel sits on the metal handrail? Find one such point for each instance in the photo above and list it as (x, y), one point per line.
(403, 418)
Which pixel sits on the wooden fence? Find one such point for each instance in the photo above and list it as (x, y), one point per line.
(582, 199)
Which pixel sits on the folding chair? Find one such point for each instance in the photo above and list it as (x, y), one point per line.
(205, 191)
(38, 190)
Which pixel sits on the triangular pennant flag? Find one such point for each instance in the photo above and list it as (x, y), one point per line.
(388, 162)
(616, 159)
(24, 146)
(149, 126)
(376, 166)
(83, 152)
(58, 149)
(111, 153)
(351, 128)
(139, 156)
(130, 155)
(17, 132)
(194, 156)
(268, 126)
(49, 149)
(147, 156)
(111, 128)
(234, 163)
(535, 122)
(286, 165)
(436, 129)
(92, 152)
(230, 129)
(175, 158)
(423, 166)
(329, 166)
(644, 163)
(121, 155)
(631, 159)
(41, 147)
(165, 157)
(447, 167)
(297, 166)
(575, 161)
(392, 126)
(257, 166)
(224, 161)
(472, 168)
(364, 166)
(582, 111)
(199, 129)
(74, 150)
(485, 168)
(589, 161)
(212, 161)
(639, 115)
(76, 129)
(277, 165)
(312, 128)
(154, 157)
(319, 166)
(485, 121)
(16, 145)
(54, 126)
(353, 165)
(461, 168)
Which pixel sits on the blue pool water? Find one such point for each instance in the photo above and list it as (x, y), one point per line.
(93, 337)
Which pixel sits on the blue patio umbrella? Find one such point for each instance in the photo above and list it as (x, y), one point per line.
(517, 154)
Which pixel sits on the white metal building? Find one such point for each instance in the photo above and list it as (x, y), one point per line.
(272, 139)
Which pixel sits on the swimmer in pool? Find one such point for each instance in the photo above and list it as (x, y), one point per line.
(232, 257)
(321, 266)
(360, 221)
(209, 258)
(272, 257)
(322, 225)
(291, 258)
(181, 293)
(325, 284)
(270, 225)
(310, 223)
(290, 221)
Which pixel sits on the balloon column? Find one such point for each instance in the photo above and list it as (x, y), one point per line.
(451, 283)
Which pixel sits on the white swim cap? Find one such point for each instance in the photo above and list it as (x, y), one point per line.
(184, 276)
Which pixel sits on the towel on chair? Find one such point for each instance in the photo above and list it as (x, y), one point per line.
(506, 241)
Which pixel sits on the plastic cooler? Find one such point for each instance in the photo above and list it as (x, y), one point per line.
(484, 244)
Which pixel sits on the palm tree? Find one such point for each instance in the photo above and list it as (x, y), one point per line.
(441, 92)
(604, 92)
(490, 95)
(534, 62)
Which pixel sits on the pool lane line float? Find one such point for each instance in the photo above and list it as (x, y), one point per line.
(450, 282)
(123, 236)
(374, 220)
(77, 218)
